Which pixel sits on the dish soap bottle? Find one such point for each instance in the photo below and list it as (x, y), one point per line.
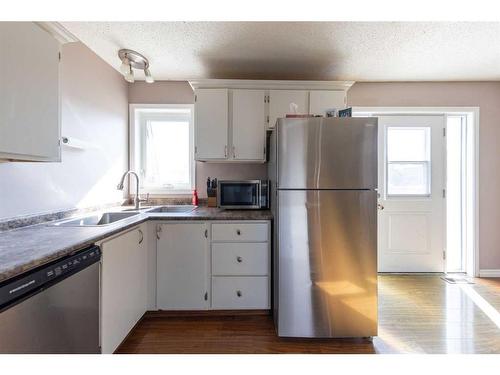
(194, 200)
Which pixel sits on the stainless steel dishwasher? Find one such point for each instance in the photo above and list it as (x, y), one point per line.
(54, 308)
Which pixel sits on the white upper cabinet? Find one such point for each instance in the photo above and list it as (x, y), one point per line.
(321, 101)
(29, 92)
(233, 116)
(280, 101)
(248, 125)
(211, 124)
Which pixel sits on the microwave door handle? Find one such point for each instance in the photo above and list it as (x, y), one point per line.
(259, 196)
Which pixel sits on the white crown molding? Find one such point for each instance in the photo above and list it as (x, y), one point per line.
(62, 35)
(270, 84)
(489, 273)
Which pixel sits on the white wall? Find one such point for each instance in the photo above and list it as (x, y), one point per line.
(95, 110)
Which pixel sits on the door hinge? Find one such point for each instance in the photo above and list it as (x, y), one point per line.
(444, 255)
(444, 132)
(267, 119)
(59, 56)
(195, 98)
(444, 193)
(158, 231)
(206, 296)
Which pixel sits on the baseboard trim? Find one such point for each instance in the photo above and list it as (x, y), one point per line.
(200, 313)
(489, 273)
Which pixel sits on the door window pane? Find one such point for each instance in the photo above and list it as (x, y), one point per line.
(408, 161)
(408, 144)
(408, 178)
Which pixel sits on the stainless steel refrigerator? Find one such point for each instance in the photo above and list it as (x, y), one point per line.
(323, 174)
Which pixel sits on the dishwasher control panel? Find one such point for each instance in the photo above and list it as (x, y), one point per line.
(44, 276)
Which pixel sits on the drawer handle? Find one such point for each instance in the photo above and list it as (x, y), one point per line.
(239, 259)
(238, 232)
(238, 293)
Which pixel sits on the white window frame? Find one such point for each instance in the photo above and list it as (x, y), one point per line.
(135, 151)
(426, 162)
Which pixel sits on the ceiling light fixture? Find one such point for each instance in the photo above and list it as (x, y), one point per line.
(131, 59)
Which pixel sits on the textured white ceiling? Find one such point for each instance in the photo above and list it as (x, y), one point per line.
(359, 51)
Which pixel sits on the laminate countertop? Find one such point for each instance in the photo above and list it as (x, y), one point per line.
(26, 248)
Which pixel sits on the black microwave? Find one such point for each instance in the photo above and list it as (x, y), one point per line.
(245, 194)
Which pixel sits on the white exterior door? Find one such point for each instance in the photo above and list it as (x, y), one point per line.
(411, 223)
(249, 127)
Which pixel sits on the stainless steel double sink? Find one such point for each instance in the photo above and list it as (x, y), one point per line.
(107, 218)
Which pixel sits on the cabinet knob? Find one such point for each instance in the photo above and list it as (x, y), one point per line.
(238, 293)
(238, 232)
(239, 259)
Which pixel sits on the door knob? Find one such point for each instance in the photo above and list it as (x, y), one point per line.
(380, 207)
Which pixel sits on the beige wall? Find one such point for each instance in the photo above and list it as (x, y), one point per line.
(160, 92)
(180, 92)
(95, 110)
(485, 95)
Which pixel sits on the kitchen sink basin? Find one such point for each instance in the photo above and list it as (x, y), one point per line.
(173, 209)
(105, 218)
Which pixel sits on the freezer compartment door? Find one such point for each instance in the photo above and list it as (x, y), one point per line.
(327, 153)
(327, 264)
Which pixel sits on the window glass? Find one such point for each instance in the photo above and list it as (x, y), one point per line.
(408, 144)
(163, 151)
(408, 161)
(166, 163)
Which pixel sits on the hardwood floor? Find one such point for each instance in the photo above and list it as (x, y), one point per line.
(417, 314)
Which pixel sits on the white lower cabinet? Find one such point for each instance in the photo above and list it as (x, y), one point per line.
(182, 266)
(240, 292)
(213, 265)
(123, 286)
(241, 261)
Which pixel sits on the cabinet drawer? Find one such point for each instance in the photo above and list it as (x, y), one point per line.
(244, 232)
(240, 292)
(240, 258)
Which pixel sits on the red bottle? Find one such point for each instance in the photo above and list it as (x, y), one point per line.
(194, 201)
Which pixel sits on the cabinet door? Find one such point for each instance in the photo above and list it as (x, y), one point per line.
(211, 124)
(322, 101)
(280, 100)
(182, 270)
(249, 128)
(29, 92)
(123, 287)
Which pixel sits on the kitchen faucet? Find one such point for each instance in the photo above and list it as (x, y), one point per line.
(137, 201)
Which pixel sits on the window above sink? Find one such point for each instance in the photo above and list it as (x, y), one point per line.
(161, 148)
